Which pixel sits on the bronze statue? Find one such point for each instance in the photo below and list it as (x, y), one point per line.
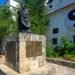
(23, 20)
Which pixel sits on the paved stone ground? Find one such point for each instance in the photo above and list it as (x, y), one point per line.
(63, 70)
(60, 70)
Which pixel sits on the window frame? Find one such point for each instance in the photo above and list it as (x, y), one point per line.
(55, 30)
(74, 38)
(54, 41)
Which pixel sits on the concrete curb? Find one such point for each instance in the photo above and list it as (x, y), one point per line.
(61, 62)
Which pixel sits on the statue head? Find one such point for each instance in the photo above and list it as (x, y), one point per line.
(24, 13)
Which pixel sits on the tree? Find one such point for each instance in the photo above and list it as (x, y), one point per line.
(7, 25)
(37, 14)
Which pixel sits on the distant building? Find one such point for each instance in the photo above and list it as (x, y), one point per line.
(61, 14)
(14, 5)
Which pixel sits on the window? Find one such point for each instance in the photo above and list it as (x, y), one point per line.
(54, 41)
(55, 30)
(50, 6)
(74, 38)
(49, 1)
(71, 15)
(73, 25)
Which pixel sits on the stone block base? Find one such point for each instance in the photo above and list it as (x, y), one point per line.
(24, 51)
(45, 70)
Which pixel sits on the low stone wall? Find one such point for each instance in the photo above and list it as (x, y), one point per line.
(61, 62)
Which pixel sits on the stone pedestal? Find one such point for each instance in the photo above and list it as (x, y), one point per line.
(25, 55)
(25, 52)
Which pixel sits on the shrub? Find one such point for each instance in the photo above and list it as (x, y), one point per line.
(50, 52)
(66, 51)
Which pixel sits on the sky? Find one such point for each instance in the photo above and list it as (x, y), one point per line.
(2, 2)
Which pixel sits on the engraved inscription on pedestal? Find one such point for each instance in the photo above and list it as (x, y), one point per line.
(33, 48)
(11, 54)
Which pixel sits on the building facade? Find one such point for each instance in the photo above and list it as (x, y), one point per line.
(61, 14)
(14, 5)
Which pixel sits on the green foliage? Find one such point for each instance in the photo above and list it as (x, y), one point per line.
(50, 52)
(7, 25)
(37, 15)
(66, 51)
(68, 47)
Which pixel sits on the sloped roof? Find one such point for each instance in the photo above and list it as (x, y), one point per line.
(61, 4)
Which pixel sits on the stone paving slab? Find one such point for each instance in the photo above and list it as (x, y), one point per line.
(63, 70)
(46, 70)
(58, 69)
